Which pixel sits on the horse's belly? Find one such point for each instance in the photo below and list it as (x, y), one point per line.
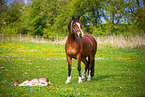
(85, 54)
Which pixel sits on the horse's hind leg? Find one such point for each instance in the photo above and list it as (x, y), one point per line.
(90, 66)
(85, 70)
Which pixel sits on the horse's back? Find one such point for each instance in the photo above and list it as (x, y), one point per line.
(93, 40)
(89, 45)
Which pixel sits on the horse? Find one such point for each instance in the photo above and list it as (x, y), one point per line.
(80, 46)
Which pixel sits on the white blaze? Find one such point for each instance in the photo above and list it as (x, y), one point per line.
(80, 29)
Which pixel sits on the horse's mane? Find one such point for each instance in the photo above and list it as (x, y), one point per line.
(69, 26)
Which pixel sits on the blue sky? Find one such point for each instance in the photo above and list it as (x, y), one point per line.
(11, 1)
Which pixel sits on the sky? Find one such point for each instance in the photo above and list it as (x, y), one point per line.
(11, 1)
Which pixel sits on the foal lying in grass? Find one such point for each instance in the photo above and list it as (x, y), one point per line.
(33, 82)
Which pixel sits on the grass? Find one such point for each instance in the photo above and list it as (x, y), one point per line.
(118, 71)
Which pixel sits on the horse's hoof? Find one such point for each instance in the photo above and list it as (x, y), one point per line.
(67, 82)
(80, 82)
(83, 77)
(88, 79)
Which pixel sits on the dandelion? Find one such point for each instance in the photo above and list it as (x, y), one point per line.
(120, 87)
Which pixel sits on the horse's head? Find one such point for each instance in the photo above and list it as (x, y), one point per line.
(76, 27)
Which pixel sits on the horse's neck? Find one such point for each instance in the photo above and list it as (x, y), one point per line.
(24, 83)
(20, 84)
(71, 37)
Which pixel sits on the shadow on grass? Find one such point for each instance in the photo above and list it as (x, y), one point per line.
(101, 77)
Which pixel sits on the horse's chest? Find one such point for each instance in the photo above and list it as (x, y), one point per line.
(72, 51)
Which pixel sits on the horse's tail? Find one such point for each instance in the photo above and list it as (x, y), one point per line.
(92, 67)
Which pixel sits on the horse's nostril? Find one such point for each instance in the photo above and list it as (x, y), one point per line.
(80, 35)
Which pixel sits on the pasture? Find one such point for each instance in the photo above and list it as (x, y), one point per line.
(118, 71)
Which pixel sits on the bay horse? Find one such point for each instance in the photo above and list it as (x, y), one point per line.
(80, 46)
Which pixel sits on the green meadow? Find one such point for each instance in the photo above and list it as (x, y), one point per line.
(119, 72)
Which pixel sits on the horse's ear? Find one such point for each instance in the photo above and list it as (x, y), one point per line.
(73, 17)
(78, 17)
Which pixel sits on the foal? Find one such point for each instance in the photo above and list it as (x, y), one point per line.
(33, 82)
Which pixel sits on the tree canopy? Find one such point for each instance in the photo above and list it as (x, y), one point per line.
(51, 17)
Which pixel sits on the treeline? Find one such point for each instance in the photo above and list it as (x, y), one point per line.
(50, 17)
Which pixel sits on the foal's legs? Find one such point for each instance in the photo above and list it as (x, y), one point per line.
(69, 69)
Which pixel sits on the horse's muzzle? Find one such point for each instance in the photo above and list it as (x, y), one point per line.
(80, 35)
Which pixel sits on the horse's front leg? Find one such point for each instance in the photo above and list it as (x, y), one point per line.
(69, 70)
(79, 67)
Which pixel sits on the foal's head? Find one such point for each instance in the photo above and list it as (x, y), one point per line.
(15, 83)
(75, 27)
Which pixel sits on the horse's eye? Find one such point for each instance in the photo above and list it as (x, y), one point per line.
(74, 25)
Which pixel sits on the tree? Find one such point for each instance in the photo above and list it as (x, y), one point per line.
(141, 14)
(9, 16)
(51, 17)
